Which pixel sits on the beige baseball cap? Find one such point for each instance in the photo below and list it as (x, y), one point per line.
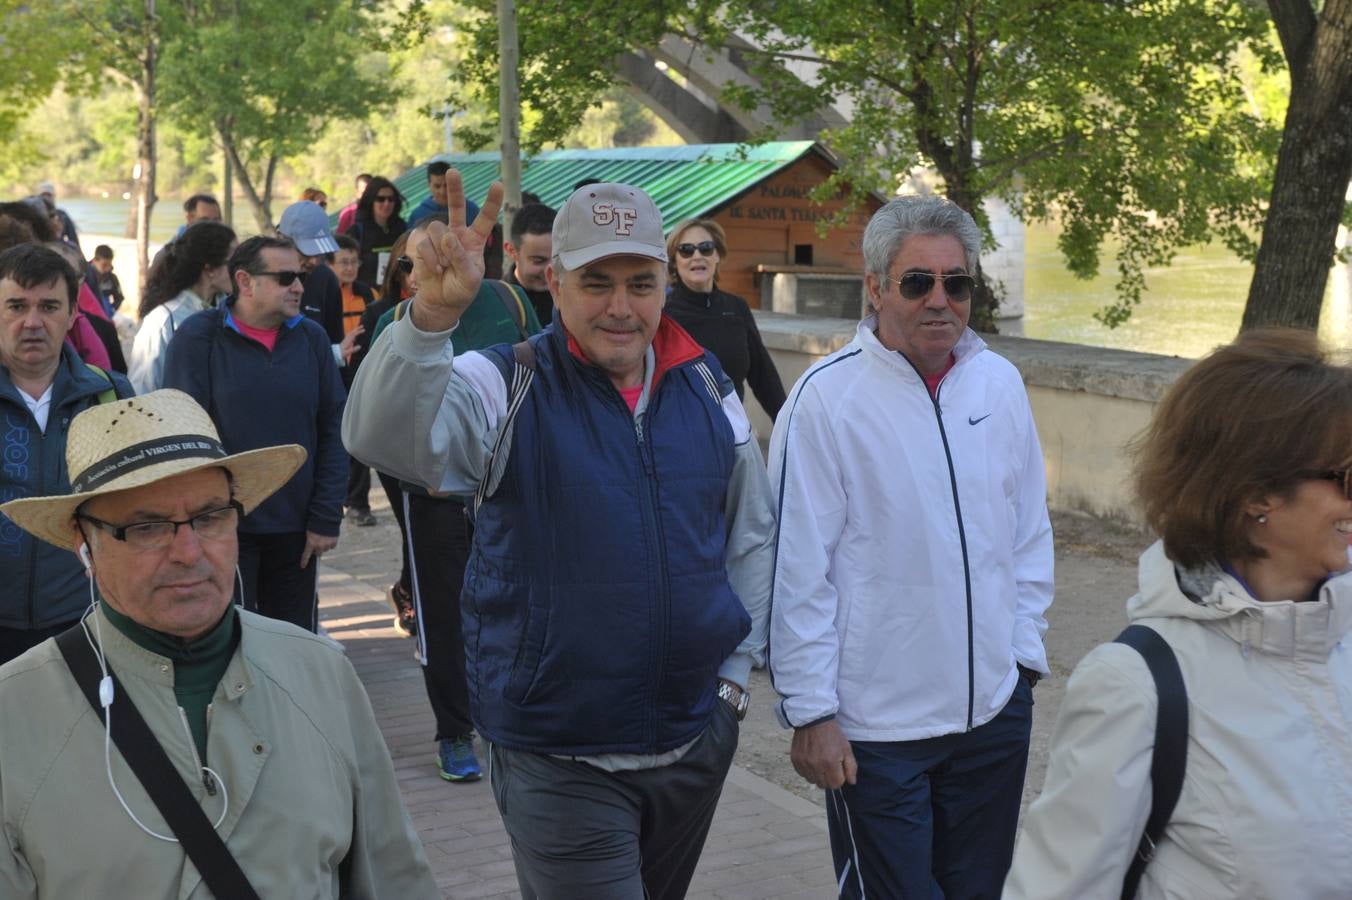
(601, 220)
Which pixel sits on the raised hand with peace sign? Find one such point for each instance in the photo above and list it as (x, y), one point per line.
(449, 261)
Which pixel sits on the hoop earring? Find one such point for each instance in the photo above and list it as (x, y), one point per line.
(1262, 519)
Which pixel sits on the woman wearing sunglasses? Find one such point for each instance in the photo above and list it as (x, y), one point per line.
(376, 226)
(721, 322)
(1244, 475)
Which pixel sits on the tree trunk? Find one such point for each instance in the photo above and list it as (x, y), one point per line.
(259, 208)
(985, 304)
(145, 148)
(271, 172)
(1309, 187)
(509, 111)
(228, 194)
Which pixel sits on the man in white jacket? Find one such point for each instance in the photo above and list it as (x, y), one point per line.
(913, 570)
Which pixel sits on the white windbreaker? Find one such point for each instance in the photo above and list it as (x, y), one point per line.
(1266, 807)
(914, 560)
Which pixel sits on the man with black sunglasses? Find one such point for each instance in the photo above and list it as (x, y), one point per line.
(913, 573)
(267, 376)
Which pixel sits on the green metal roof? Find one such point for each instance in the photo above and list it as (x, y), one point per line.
(685, 181)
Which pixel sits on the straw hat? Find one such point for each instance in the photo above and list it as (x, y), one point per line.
(138, 441)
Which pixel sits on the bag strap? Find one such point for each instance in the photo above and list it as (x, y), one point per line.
(523, 373)
(147, 759)
(1168, 759)
(515, 308)
(109, 395)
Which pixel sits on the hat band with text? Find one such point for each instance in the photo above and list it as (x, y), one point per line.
(148, 453)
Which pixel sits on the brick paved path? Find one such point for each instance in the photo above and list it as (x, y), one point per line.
(765, 842)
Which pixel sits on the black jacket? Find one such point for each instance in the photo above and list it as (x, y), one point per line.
(723, 324)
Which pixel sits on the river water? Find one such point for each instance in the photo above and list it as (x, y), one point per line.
(1189, 307)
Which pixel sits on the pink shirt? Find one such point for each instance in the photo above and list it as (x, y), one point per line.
(932, 381)
(265, 336)
(631, 396)
(89, 304)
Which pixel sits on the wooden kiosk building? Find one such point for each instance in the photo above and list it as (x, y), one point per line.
(776, 260)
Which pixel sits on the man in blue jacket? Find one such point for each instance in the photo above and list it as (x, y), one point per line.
(435, 202)
(617, 592)
(43, 384)
(267, 376)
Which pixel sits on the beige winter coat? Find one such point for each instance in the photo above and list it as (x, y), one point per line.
(1266, 807)
(314, 810)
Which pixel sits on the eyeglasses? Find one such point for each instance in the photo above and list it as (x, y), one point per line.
(405, 265)
(212, 525)
(285, 278)
(705, 248)
(1343, 480)
(384, 198)
(917, 285)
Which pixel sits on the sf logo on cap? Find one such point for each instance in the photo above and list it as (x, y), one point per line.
(622, 217)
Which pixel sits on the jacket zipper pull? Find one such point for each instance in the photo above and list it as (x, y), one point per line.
(209, 783)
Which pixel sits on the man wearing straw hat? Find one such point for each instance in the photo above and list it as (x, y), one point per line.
(263, 729)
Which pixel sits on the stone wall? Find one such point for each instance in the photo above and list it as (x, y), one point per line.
(1088, 403)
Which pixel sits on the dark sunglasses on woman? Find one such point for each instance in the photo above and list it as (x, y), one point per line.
(705, 248)
(917, 285)
(405, 265)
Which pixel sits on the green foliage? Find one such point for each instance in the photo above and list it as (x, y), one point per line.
(568, 50)
(262, 77)
(1155, 122)
(1115, 119)
(398, 135)
(620, 120)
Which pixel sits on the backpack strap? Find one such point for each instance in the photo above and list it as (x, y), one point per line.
(109, 395)
(1168, 760)
(146, 758)
(515, 308)
(400, 308)
(523, 374)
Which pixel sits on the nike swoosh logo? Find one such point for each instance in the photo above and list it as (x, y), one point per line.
(971, 421)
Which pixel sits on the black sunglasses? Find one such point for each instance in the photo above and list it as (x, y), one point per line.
(405, 265)
(285, 278)
(917, 285)
(384, 198)
(705, 248)
(1343, 480)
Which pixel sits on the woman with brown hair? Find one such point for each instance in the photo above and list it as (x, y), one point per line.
(720, 322)
(1246, 475)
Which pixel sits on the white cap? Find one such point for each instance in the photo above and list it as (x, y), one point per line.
(601, 220)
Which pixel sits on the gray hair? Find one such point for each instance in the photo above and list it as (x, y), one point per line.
(916, 214)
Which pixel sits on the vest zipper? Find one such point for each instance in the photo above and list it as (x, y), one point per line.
(661, 614)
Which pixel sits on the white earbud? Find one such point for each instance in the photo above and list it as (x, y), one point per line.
(84, 556)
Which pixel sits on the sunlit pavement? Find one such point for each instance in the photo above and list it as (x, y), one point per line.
(765, 842)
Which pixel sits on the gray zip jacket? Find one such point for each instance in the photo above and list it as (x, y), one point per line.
(1266, 807)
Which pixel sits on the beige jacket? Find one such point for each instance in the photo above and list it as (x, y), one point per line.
(1266, 807)
(314, 809)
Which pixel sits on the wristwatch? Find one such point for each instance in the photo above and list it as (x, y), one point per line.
(734, 697)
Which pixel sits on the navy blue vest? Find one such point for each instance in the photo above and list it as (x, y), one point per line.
(596, 605)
